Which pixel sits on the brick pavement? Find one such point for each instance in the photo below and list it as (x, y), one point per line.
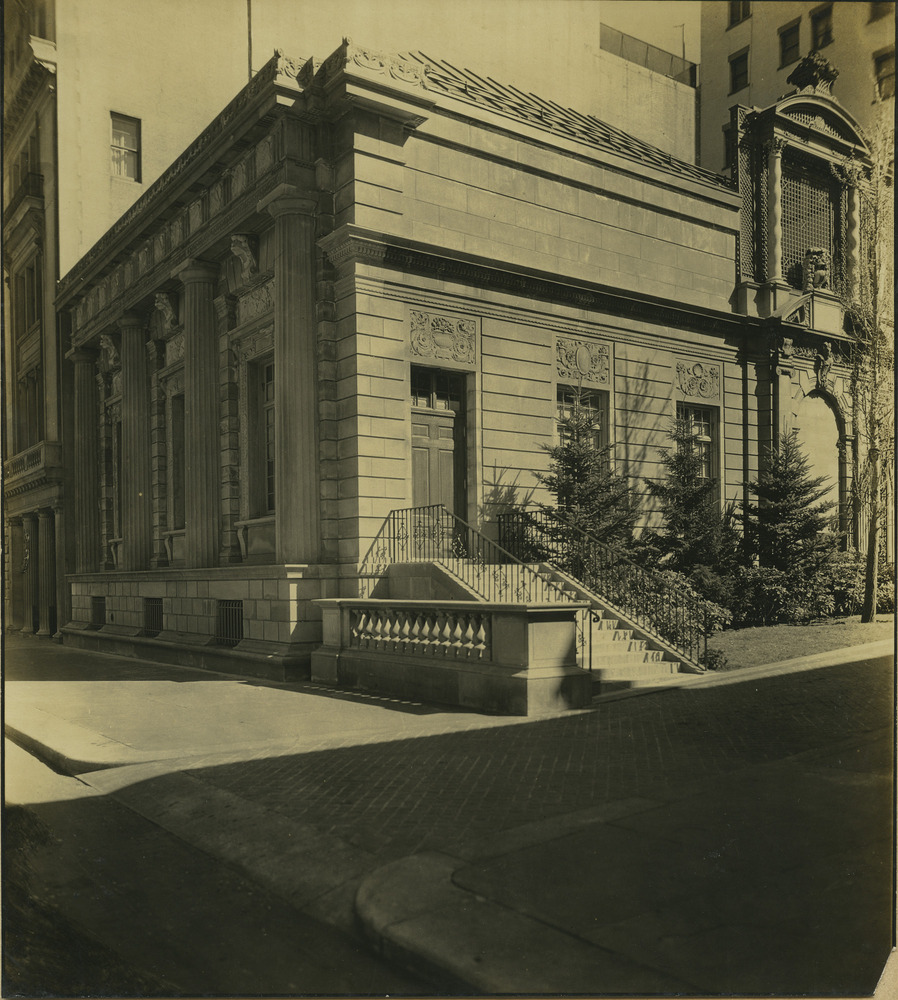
(415, 791)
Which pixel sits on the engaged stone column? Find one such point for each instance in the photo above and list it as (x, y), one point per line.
(853, 240)
(87, 466)
(16, 582)
(29, 571)
(62, 587)
(297, 491)
(137, 499)
(775, 209)
(201, 436)
(46, 574)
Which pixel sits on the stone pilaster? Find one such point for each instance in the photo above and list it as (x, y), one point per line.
(136, 483)
(29, 572)
(201, 432)
(229, 415)
(87, 465)
(775, 209)
(62, 588)
(46, 574)
(16, 580)
(297, 489)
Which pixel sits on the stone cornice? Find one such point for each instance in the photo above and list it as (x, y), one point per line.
(40, 70)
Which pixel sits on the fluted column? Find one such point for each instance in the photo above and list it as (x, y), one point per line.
(297, 490)
(136, 484)
(16, 581)
(201, 444)
(775, 209)
(62, 588)
(87, 465)
(46, 573)
(29, 571)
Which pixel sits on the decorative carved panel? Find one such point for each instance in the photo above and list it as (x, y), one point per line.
(256, 302)
(174, 349)
(698, 380)
(449, 337)
(582, 360)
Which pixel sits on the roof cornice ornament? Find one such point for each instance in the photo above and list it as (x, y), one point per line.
(814, 74)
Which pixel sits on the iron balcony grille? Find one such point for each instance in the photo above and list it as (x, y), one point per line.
(230, 623)
(97, 612)
(152, 615)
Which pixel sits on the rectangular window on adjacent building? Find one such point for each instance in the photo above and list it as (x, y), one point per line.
(738, 71)
(790, 50)
(125, 147)
(821, 27)
(700, 423)
(739, 11)
(884, 70)
(592, 402)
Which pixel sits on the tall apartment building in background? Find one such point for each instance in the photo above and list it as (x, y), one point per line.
(749, 48)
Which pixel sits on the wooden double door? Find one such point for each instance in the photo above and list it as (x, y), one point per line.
(439, 455)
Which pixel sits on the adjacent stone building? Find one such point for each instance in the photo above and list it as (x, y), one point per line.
(373, 283)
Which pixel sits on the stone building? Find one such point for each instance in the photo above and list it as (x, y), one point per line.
(371, 284)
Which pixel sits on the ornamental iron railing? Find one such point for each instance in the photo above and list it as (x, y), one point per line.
(662, 606)
(434, 534)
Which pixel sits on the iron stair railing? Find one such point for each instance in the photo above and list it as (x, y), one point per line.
(680, 617)
(435, 534)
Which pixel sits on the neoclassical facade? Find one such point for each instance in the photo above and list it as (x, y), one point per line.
(374, 283)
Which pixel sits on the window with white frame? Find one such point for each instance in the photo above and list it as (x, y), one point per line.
(125, 147)
(700, 424)
(592, 402)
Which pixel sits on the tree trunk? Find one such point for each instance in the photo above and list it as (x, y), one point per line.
(868, 612)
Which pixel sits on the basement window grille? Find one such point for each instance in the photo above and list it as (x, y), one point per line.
(97, 612)
(152, 615)
(230, 623)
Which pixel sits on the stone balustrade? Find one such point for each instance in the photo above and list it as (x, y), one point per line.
(511, 659)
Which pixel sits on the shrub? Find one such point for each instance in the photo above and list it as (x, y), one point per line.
(766, 595)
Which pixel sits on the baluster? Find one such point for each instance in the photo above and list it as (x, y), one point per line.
(394, 630)
(404, 631)
(360, 622)
(379, 631)
(468, 643)
(446, 635)
(414, 637)
(484, 637)
(457, 636)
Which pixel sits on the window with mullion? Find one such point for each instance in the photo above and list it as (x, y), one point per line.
(125, 147)
(593, 402)
(700, 423)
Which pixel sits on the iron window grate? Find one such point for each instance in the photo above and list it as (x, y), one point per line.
(152, 615)
(229, 630)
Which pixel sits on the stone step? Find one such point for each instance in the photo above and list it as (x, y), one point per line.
(633, 671)
(627, 684)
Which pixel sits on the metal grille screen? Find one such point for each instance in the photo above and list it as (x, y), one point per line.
(811, 218)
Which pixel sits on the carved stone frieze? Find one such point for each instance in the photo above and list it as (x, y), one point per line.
(582, 359)
(449, 337)
(174, 349)
(698, 380)
(258, 301)
(256, 344)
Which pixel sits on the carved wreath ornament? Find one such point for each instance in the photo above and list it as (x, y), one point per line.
(443, 337)
(698, 380)
(576, 359)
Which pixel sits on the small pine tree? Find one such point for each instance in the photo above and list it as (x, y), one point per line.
(588, 493)
(789, 527)
(695, 533)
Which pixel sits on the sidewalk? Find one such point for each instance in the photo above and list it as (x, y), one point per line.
(730, 835)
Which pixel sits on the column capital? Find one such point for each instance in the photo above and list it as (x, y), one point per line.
(82, 355)
(196, 270)
(131, 320)
(288, 199)
(775, 146)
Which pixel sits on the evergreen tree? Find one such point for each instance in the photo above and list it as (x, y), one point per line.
(695, 532)
(788, 528)
(588, 493)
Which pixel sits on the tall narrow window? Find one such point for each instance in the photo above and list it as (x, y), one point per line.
(739, 71)
(118, 481)
(790, 50)
(700, 423)
(176, 463)
(884, 70)
(821, 27)
(592, 402)
(125, 147)
(266, 393)
(739, 11)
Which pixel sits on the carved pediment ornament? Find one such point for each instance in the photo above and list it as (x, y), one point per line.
(243, 247)
(698, 380)
(452, 338)
(582, 359)
(814, 74)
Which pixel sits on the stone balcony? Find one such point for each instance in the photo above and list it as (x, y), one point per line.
(37, 466)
